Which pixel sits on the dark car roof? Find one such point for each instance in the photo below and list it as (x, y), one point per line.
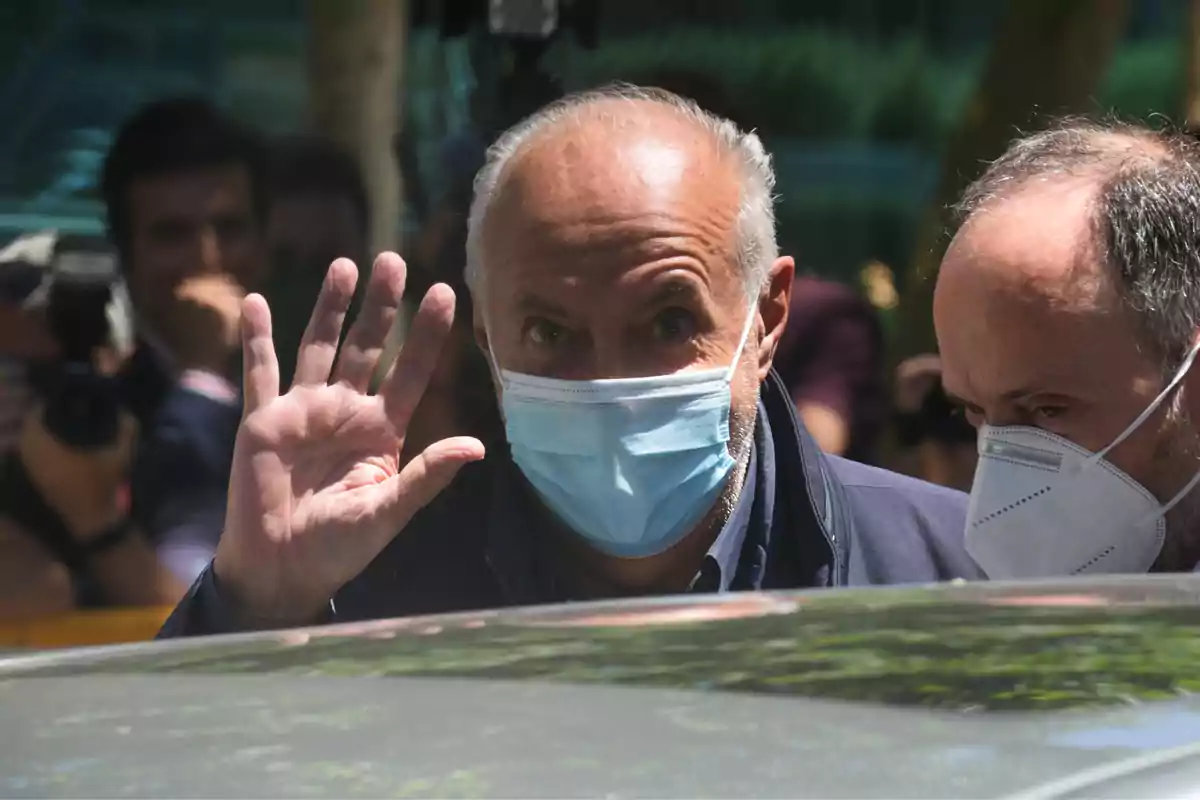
(969, 690)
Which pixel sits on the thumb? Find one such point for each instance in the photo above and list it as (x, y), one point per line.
(424, 478)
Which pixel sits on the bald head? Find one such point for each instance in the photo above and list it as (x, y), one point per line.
(615, 168)
(1071, 290)
(1130, 199)
(636, 139)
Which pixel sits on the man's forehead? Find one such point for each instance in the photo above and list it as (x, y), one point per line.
(192, 190)
(614, 188)
(624, 154)
(1024, 301)
(1039, 242)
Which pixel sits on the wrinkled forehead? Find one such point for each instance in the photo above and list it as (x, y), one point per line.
(610, 190)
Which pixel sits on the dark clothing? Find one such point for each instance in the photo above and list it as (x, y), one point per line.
(179, 481)
(181, 468)
(805, 520)
(181, 477)
(145, 383)
(832, 354)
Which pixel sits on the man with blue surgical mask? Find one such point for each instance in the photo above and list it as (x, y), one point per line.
(629, 296)
(1068, 318)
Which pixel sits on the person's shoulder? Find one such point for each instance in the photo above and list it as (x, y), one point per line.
(905, 529)
(897, 500)
(888, 486)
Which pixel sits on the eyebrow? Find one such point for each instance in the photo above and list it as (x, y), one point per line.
(674, 289)
(532, 304)
(1010, 396)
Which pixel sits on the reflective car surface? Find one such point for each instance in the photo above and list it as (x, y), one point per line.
(1035, 690)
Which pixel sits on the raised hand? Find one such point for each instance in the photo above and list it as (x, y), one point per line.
(315, 493)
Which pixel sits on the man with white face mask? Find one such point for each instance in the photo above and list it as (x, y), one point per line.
(1068, 318)
(629, 295)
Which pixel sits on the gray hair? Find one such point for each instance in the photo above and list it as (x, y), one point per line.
(757, 248)
(1145, 213)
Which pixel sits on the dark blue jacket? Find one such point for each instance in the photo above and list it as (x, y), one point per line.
(806, 520)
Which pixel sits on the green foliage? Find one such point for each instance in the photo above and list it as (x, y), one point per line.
(818, 85)
(822, 85)
(1146, 79)
(836, 233)
(807, 83)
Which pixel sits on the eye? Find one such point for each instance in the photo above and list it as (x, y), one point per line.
(1049, 412)
(674, 325)
(544, 333)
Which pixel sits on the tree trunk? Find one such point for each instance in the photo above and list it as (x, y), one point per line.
(355, 68)
(1048, 58)
(1191, 51)
(355, 59)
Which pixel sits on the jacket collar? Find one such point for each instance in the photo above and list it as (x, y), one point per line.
(818, 518)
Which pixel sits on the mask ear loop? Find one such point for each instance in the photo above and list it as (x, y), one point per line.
(491, 355)
(1184, 492)
(751, 316)
(1184, 368)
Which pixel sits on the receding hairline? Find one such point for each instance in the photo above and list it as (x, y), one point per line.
(589, 113)
(757, 247)
(1099, 154)
(1143, 212)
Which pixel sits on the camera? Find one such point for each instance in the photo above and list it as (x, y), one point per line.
(82, 295)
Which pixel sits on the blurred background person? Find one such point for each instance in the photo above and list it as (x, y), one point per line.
(937, 441)
(24, 337)
(831, 360)
(33, 582)
(185, 198)
(319, 211)
(185, 193)
(65, 534)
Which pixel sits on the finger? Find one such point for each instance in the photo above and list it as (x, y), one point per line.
(319, 345)
(367, 336)
(409, 378)
(422, 479)
(260, 368)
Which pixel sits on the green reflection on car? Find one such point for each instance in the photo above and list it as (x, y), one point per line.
(905, 652)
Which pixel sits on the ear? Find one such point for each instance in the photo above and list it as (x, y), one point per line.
(773, 306)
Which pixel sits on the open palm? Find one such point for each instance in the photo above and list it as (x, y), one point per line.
(315, 492)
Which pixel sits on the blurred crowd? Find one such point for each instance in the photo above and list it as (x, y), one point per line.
(119, 355)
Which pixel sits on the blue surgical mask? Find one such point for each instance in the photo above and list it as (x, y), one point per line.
(630, 464)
